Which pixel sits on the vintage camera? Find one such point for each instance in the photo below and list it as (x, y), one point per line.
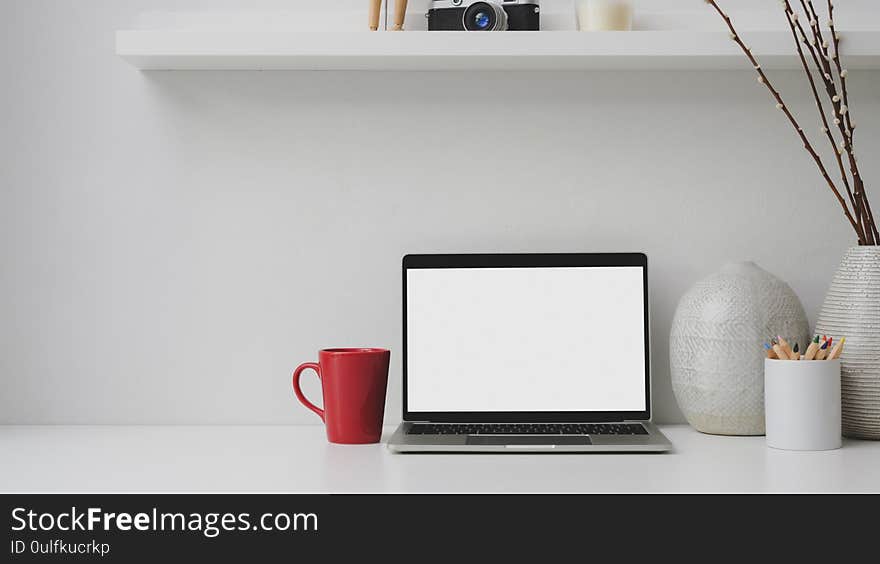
(500, 15)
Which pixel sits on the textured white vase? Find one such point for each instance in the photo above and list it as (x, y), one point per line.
(852, 310)
(716, 346)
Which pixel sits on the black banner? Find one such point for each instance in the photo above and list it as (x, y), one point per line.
(147, 528)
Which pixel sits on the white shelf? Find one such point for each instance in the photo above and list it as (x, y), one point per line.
(445, 51)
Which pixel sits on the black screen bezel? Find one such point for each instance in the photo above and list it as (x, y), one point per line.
(528, 261)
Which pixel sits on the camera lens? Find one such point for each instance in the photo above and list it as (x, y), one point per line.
(485, 16)
(482, 20)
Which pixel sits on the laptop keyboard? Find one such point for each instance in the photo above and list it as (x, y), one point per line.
(527, 429)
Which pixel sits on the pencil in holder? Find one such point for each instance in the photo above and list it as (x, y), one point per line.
(802, 404)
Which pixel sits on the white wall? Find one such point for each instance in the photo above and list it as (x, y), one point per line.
(173, 244)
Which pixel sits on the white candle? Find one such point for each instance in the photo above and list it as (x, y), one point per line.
(604, 15)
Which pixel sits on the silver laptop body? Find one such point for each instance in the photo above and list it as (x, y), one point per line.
(521, 353)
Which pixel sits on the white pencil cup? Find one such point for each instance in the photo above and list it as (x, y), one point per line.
(802, 404)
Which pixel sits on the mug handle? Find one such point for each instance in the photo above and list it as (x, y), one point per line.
(298, 391)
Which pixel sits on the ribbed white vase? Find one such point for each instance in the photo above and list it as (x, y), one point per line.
(852, 310)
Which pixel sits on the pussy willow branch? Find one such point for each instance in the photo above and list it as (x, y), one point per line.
(821, 46)
(836, 37)
(872, 225)
(823, 56)
(823, 63)
(842, 113)
(817, 47)
(844, 118)
(781, 105)
(794, 25)
(800, 36)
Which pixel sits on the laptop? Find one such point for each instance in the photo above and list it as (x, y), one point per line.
(526, 353)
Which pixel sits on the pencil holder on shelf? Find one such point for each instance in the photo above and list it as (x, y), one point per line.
(802, 404)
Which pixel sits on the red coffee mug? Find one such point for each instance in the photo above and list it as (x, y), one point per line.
(353, 382)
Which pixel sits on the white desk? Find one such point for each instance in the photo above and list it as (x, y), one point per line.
(299, 460)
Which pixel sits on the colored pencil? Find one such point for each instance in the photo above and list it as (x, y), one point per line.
(780, 354)
(375, 8)
(779, 349)
(823, 351)
(399, 15)
(811, 351)
(837, 350)
(785, 347)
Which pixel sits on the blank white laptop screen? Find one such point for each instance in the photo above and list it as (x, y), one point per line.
(525, 339)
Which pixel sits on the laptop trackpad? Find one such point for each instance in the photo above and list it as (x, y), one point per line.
(528, 440)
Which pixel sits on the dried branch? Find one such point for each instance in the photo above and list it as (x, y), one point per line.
(781, 105)
(872, 225)
(842, 115)
(795, 26)
(865, 206)
(836, 56)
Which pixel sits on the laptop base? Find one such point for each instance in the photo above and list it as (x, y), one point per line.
(653, 441)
